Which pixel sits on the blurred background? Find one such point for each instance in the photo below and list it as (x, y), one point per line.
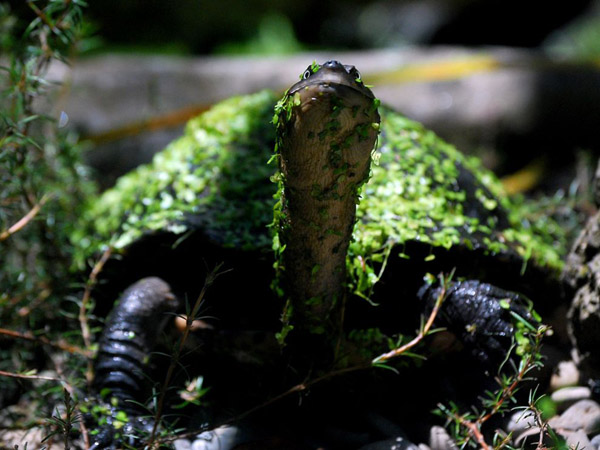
(516, 83)
(286, 26)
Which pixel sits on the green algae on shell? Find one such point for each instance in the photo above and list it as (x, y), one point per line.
(413, 196)
(216, 179)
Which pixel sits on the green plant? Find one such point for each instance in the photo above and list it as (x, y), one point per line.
(64, 426)
(191, 315)
(43, 185)
(523, 357)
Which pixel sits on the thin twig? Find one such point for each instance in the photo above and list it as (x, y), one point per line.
(43, 17)
(310, 383)
(28, 336)
(86, 333)
(508, 392)
(473, 429)
(28, 377)
(35, 303)
(24, 220)
(422, 333)
(210, 278)
(300, 387)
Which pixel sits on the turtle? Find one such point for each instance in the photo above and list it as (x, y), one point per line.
(330, 212)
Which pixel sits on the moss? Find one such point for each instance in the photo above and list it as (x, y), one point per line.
(202, 180)
(413, 194)
(215, 178)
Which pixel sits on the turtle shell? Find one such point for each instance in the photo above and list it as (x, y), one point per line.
(210, 195)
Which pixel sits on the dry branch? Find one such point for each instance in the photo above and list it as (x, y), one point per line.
(28, 336)
(24, 220)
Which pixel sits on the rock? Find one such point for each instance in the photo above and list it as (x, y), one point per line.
(566, 374)
(30, 438)
(439, 439)
(182, 444)
(578, 440)
(532, 436)
(582, 274)
(525, 431)
(520, 421)
(583, 415)
(518, 98)
(222, 438)
(595, 441)
(567, 396)
(398, 443)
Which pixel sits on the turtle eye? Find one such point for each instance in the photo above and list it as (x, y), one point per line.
(356, 74)
(307, 73)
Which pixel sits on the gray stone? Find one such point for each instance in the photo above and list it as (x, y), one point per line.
(182, 444)
(583, 415)
(595, 441)
(519, 93)
(398, 443)
(570, 395)
(578, 440)
(533, 438)
(439, 439)
(520, 421)
(582, 273)
(222, 438)
(566, 375)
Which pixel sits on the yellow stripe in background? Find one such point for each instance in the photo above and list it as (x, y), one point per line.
(435, 70)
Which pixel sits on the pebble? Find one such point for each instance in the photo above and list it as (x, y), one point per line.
(222, 438)
(596, 441)
(439, 439)
(530, 437)
(566, 375)
(182, 444)
(583, 415)
(578, 439)
(520, 421)
(31, 438)
(567, 396)
(398, 443)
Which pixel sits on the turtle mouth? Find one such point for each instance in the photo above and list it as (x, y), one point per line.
(333, 85)
(321, 90)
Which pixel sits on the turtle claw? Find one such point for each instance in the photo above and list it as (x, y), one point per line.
(480, 315)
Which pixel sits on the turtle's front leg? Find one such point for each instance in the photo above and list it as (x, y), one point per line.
(121, 364)
(479, 314)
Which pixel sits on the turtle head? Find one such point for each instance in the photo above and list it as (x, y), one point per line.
(325, 103)
(331, 77)
(327, 126)
(327, 121)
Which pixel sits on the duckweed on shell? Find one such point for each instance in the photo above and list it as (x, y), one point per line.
(216, 179)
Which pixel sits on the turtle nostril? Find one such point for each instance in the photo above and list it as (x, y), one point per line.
(333, 64)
